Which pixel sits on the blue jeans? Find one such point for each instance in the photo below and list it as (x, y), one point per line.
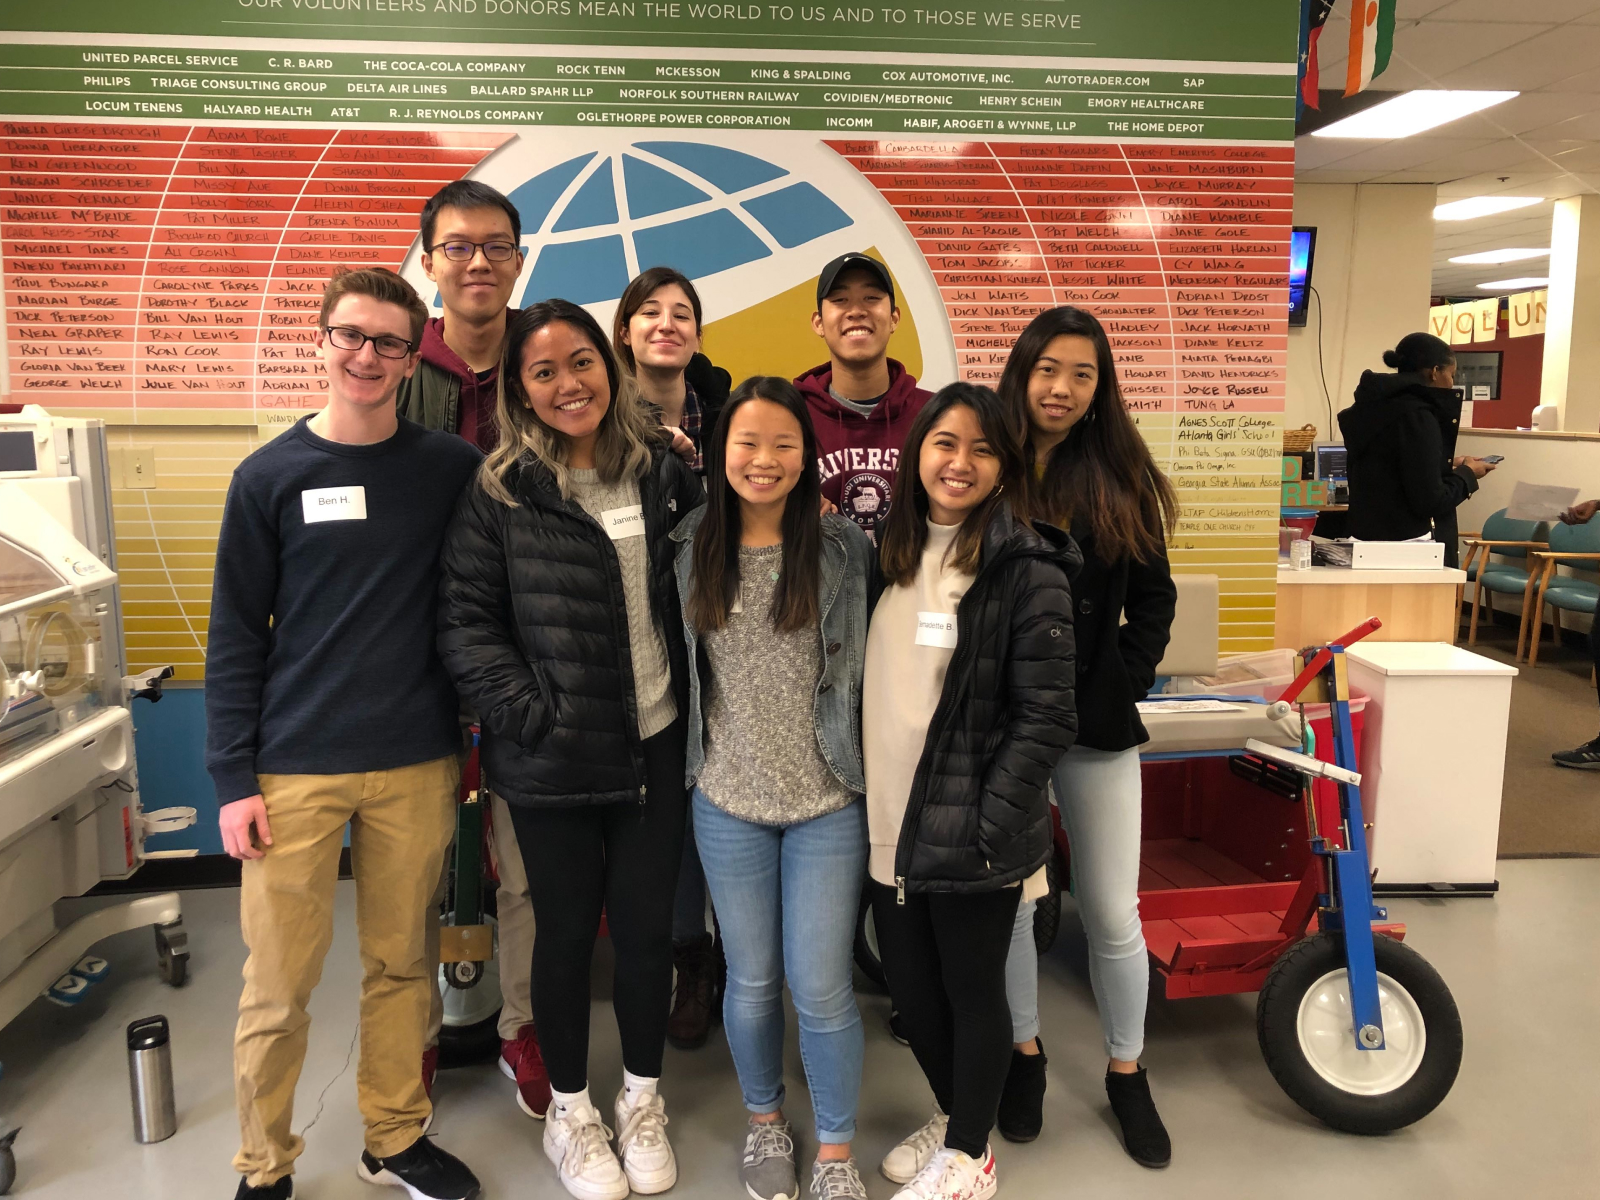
(1100, 794)
(812, 872)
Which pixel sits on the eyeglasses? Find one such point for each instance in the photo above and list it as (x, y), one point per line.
(460, 251)
(387, 345)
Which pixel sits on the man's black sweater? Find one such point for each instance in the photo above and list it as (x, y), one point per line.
(321, 655)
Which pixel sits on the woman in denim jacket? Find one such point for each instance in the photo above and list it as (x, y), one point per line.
(775, 603)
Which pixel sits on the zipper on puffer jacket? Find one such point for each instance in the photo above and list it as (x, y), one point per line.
(919, 781)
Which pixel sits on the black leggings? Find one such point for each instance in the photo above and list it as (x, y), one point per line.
(1594, 647)
(945, 959)
(622, 858)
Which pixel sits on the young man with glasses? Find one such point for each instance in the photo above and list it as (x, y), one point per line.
(471, 250)
(327, 707)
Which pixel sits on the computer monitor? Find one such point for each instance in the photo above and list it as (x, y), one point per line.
(1331, 461)
(1302, 248)
(1476, 370)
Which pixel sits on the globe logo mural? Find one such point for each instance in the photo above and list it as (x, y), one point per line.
(750, 217)
(691, 205)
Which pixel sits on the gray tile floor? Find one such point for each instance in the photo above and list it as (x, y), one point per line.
(1522, 1121)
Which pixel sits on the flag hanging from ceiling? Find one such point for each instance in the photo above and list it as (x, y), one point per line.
(1371, 41)
(1313, 16)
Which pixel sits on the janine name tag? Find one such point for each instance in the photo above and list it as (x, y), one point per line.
(936, 629)
(623, 522)
(334, 504)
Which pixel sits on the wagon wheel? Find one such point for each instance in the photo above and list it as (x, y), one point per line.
(1047, 910)
(866, 944)
(172, 953)
(1303, 1022)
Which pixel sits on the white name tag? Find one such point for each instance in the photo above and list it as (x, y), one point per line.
(334, 504)
(738, 600)
(936, 629)
(623, 522)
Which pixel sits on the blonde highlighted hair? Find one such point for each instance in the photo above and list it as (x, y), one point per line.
(627, 430)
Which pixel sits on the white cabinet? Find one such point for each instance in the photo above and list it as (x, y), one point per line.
(1433, 761)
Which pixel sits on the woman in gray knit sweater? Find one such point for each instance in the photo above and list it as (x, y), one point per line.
(775, 601)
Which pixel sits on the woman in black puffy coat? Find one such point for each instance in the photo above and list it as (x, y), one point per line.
(967, 704)
(558, 623)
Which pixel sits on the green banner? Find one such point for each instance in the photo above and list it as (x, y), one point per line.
(1252, 31)
(123, 82)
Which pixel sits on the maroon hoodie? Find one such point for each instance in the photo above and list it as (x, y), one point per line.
(858, 455)
(475, 412)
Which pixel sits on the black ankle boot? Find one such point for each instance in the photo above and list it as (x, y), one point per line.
(1143, 1134)
(1021, 1113)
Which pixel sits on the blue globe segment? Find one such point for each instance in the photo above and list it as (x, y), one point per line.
(652, 190)
(537, 197)
(595, 203)
(796, 214)
(584, 272)
(700, 245)
(730, 170)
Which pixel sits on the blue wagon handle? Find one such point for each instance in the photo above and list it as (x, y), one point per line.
(1358, 1030)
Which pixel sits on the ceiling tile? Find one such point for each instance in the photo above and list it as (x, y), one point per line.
(1496, 10)
(1530, 63)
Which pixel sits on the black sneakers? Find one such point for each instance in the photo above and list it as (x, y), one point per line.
(282, 1189)
(1585, 758)
(424, 1170)
(897, 1029)
(1021, 1115)
(1143, 1134)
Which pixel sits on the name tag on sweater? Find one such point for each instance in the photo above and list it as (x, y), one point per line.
(334, 504)
(623, 522)
(936, 629)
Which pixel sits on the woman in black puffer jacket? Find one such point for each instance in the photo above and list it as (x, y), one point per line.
(967, 705)
(558, 623)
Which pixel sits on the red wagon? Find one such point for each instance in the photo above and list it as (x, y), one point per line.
(1254, 877)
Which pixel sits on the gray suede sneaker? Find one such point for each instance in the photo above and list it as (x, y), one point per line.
(767, 1171)
(839, 1180)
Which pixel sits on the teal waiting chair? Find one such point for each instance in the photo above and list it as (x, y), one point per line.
(1570, 546)
(1497, 561)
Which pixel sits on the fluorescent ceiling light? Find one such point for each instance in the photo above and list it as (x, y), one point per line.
(1501, 256)
(1482, 206)
(1412, 112)
(1516, 285)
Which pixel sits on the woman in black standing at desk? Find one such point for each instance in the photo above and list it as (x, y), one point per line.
(1400, 435)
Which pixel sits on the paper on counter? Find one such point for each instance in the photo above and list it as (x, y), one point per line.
(1539, 501)
(1189, 706)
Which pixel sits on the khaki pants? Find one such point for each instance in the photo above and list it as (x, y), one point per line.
(400, 826)
(515, 932)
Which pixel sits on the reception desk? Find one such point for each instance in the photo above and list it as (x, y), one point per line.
(1324, 602)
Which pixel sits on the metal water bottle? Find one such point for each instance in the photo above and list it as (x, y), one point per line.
(155, 1115)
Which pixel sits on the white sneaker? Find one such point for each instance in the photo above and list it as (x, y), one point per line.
(953, 1175)
(580, 1146)
(647, 1157)
(902, 1164)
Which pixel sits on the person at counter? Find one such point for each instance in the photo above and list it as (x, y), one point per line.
(1587, 756)
(1400, 434)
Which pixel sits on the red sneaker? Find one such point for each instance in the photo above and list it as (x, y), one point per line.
(521, 1062)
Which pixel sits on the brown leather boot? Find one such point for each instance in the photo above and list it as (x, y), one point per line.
(694, 993)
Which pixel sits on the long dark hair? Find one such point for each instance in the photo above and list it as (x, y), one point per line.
(715, 580)
(905, 532)
(644, 285)
(1102, 471)
(626, 431)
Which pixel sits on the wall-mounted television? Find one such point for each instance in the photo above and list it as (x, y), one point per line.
(1477, 369)
(1302, 247)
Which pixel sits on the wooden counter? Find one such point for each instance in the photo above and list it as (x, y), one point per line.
(1324, 602)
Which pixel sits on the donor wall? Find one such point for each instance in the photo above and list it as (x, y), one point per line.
(178, 177)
